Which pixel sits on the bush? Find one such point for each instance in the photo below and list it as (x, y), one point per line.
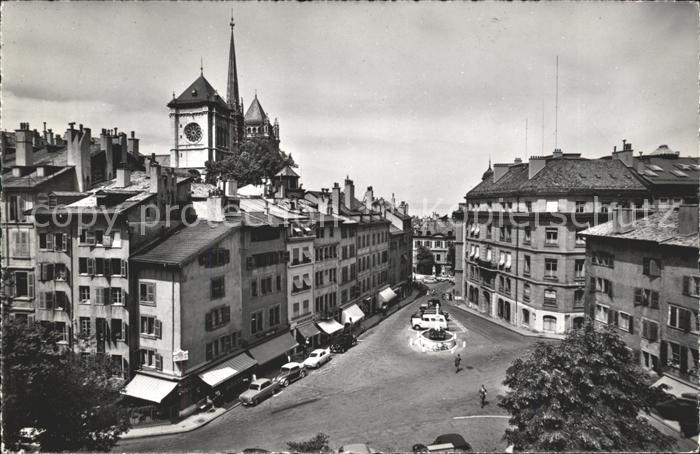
(319, 443)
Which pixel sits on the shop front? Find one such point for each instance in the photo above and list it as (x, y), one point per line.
(151, 399)
(228, 378)
(308, 336)
(274, 352)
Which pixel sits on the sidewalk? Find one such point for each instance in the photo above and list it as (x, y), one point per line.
(188, 424)
(198, 420)
(522, 331)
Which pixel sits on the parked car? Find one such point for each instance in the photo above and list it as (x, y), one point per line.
(444, 443)
(318, 358)
(343, 342)
(289, 373)
(428, 321)
(259, 390)
(357, 448)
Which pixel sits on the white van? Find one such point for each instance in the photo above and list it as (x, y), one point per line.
(428, 321)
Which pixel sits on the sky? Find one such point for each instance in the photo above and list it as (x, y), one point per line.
(410, 98)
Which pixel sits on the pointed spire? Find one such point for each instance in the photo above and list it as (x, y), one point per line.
(201, 66)
(232, 95)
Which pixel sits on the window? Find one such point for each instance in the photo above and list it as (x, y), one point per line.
(682, 318)
(675, 360)
(580, 206)
(549, 323)
(295, 306)
(650, 330)
(527, 235)
(217, 318)
(117, 296)
(528, 206)
(551, 237)
(147, 293)
(646, 297)
(274, 316)
(20, 243)
(550, 297)
(279, 283)
(16, 208)
(266, 285)
(691, 285)
(151, 359)
(578, 299)
(601, 313)
(605, 206)
(151, 327)
(552, 206)
(550, 269)
(580, 269)
(117, 329)
(218, 287)
(305, 306)
(526, 292)
(85, 326)
(651, 267)
(624, 321)
(46, 241)
(526, 265)
(256, 322)
(254, 287)
(603, 259)
(84, 293)
(580, 240)
(24, 284)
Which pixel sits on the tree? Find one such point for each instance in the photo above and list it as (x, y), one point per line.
(424, 260)
(583, 394)
(72, 402)
(253, 162)
(319, 443)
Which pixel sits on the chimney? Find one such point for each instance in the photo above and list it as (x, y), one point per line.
(133, 145)
(536, 164)
(369, 198)
(51, 140)
(557, 153)
(349, 192)
(518, 161)
(106, 146)
(499, 170)
(231, 187)
(625, 155)
(215, 207)
(123, 147)
(123, 176)
(393, 200)
(335, 198)
(688, 219)
(154, 172)
(24, 151)
(623, 220)
(78, 155)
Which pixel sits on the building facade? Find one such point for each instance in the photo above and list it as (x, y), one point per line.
(643, 281)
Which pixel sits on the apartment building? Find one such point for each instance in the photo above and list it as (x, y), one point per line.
(643, 280)
(524, 257)
(438, 235)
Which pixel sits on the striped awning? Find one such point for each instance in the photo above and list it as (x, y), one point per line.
(228, 369)
(329, 326)
(149, 388)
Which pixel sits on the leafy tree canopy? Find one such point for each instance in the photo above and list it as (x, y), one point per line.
(425, 260)
(71, 402)
(583, 394)
(319, 443)
(255, 160)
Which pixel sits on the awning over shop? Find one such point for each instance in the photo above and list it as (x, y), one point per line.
(329, 326)
(675, 387)
(229, 368)
(149, 388)
(387, 295)
(352, 314)
(308, 330)
(273, 348)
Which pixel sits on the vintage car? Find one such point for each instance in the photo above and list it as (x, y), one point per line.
(342, 342)
(259, 390)
(289, 373)
(317, 358)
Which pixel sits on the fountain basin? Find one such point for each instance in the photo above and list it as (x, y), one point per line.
(434, 341)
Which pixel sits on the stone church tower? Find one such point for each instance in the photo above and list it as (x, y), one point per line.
(207, 128)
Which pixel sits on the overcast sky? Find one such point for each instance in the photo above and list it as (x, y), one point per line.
(411, 98)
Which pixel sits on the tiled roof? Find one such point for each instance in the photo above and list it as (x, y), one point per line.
(562, 176)
(31, 180)
(199, 92)
(255, 113)
(668, 169)
(661, 227)
(186, 243)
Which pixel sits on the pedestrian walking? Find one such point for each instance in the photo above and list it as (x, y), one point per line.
(482, 395)
(458, 360)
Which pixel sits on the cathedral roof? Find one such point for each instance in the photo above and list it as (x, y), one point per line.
(198, 93)
(255, 113)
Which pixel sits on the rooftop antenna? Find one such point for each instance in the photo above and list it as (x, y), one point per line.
(542, 152)
(201, 66)
(556, 106)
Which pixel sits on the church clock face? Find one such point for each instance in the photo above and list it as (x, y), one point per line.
(193, 132)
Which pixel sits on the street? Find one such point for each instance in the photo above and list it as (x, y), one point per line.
(382, 392)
